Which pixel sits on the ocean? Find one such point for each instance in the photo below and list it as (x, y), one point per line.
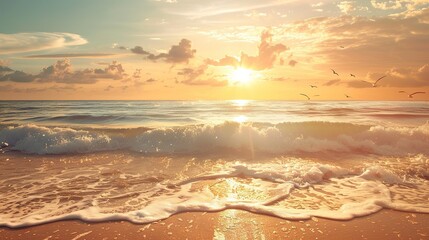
(143, 161)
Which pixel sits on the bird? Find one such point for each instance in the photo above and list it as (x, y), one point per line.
(341, 46)
(352, 75)
(333, 71)
(305, 95)
(313, 86)
(414, 93)
(347, 96)
(375, 83)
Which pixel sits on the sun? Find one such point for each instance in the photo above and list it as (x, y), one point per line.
(241, 76)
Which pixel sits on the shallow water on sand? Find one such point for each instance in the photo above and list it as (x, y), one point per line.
(129, 186)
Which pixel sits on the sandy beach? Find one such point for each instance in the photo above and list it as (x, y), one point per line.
(235, 224)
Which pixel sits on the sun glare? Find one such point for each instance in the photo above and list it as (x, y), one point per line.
(240, 102)
(241, 76)
(240, 119)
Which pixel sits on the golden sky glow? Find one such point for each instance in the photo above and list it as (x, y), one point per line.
(225, 50)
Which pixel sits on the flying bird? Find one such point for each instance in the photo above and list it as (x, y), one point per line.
(347, 96)
(333, 71)
(414, 93)
(305, 95)
(375, 83)
(313, 86)
(352, 75)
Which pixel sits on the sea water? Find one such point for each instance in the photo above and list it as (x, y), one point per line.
(143, 161)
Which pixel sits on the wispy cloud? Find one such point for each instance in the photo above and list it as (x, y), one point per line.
(210, 10)
(29, 90)
(28, 42)
(73, 55)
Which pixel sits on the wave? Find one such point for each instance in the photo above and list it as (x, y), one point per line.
(283, 138)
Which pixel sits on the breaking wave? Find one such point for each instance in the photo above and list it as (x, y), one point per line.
(282, 138)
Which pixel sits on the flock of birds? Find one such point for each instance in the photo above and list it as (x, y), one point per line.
(374, 84)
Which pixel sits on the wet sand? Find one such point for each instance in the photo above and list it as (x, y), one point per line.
(234, 224)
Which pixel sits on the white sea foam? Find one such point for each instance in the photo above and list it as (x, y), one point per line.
(284, 138)
(323, 191)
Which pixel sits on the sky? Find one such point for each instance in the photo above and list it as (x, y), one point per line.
(213, 50)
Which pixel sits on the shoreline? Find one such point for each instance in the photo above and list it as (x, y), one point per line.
(234, 224)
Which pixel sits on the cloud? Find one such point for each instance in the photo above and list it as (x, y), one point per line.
(267, 55)
(277, 79)
(332, 82)
(346, 7)
(265, 59)
(167, 1)
(235, 34)
(8, 74)
(371, 44)
(201, 10)
(385, 5)
(398, 4)
(225, 61)
(395, 77)
(108, 88)
(180, 53)
(115, 45)
(139, 50)
(404, 77)
(358, 84)
(62, 72)
(209, 82)
(150, 80)
(192, 76)
(15, 76)
(5, 69)
(72, 55)
(139, 83)
(292, 63)
(316, 5)
(13, 88)
(27, 42)
(137, 73)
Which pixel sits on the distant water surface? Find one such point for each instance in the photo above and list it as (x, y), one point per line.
(111, 114)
